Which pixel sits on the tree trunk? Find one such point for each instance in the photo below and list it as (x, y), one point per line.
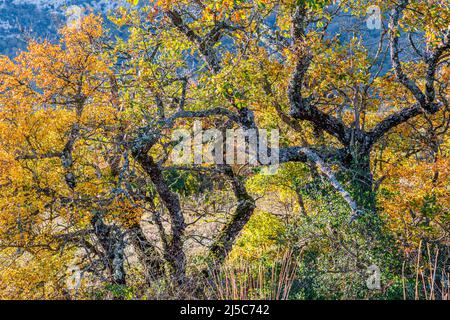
(228, 235)
(148, 254)
(362, 183)
(112, 243)
(359, 171)
(174, 254)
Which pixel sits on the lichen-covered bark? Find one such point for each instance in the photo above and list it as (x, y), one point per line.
(147, 253)
(111, 240)
(174, 254)
(229, 233)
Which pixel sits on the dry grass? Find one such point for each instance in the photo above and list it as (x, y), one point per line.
(244, 282)
(432, 281)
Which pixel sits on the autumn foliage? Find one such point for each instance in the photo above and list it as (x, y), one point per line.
(92, 206)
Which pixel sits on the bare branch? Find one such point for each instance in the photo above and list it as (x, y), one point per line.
(302, 108)
(395, 55)
(398, 118)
